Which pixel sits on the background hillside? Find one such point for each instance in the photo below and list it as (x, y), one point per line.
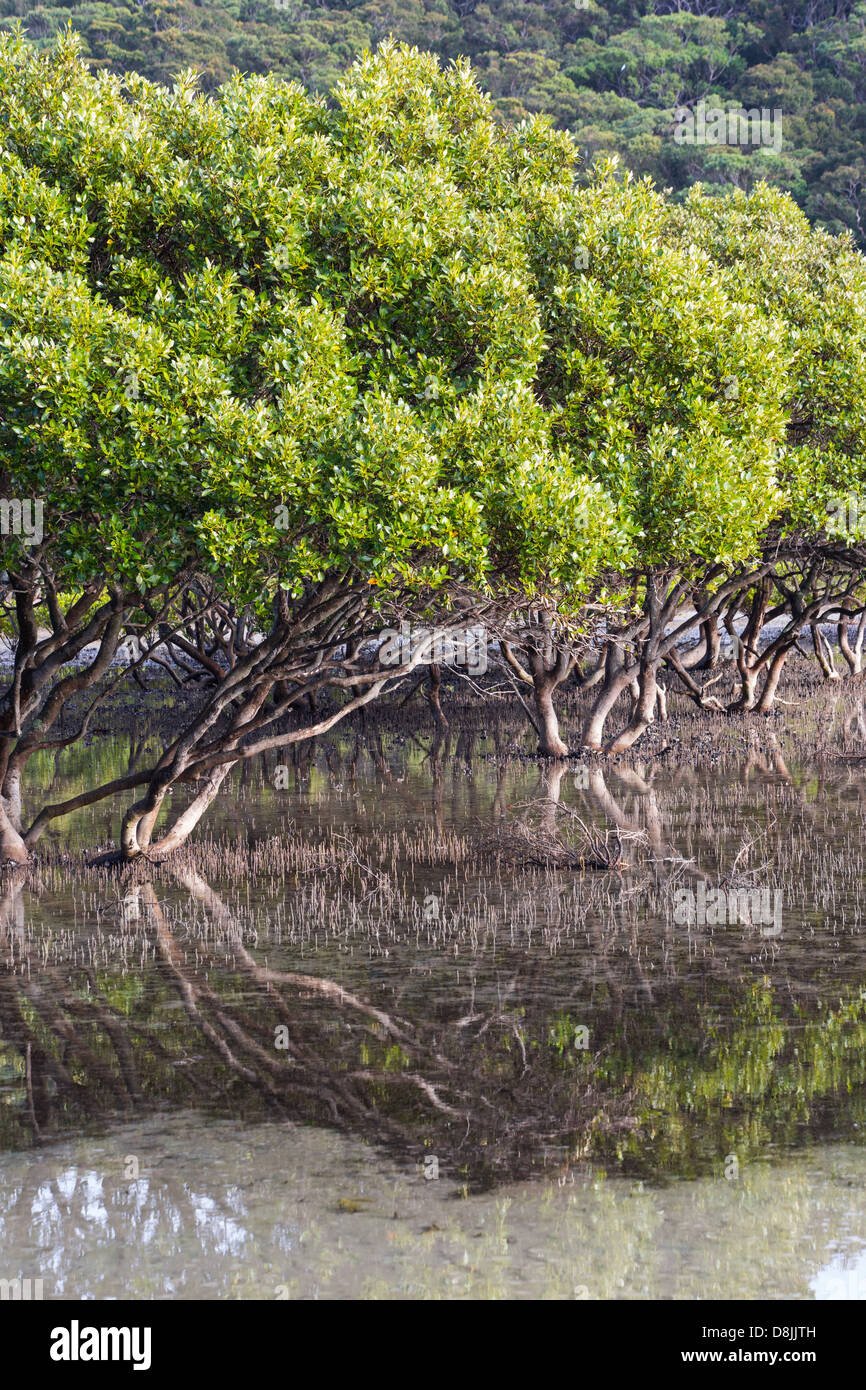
(613, 73)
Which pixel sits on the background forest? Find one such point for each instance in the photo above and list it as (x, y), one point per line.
(612, 73)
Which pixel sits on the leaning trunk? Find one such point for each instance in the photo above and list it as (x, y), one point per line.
(189, 819)
(616, 679)
(644, 709)
(824, 653)
(853, 655)
(768, 694)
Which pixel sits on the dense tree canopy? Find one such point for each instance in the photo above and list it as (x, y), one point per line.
(385, 333)
(325, 359)
(613, 74)
(288, 336)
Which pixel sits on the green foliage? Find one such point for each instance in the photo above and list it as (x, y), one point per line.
(384, 337)
(751, 1080)
(286, 337)
(613, 74)
(814, 285)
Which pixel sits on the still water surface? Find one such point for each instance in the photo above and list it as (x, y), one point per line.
(360, 1045)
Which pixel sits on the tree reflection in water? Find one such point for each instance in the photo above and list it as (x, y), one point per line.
(604, 1035)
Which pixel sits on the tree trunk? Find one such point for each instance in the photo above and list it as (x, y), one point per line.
(433, 690)
(661, 702)
(11, 796)
(853, 655)
(768, 694)
(145, 810)
(644, 709)
(12, 846)
(824, 653)
(616, 679)
(189, 819)
(705, 655)
(550, 744)
(746, 698)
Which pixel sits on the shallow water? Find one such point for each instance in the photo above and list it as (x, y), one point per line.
(617, 1102)
(221, 1213)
